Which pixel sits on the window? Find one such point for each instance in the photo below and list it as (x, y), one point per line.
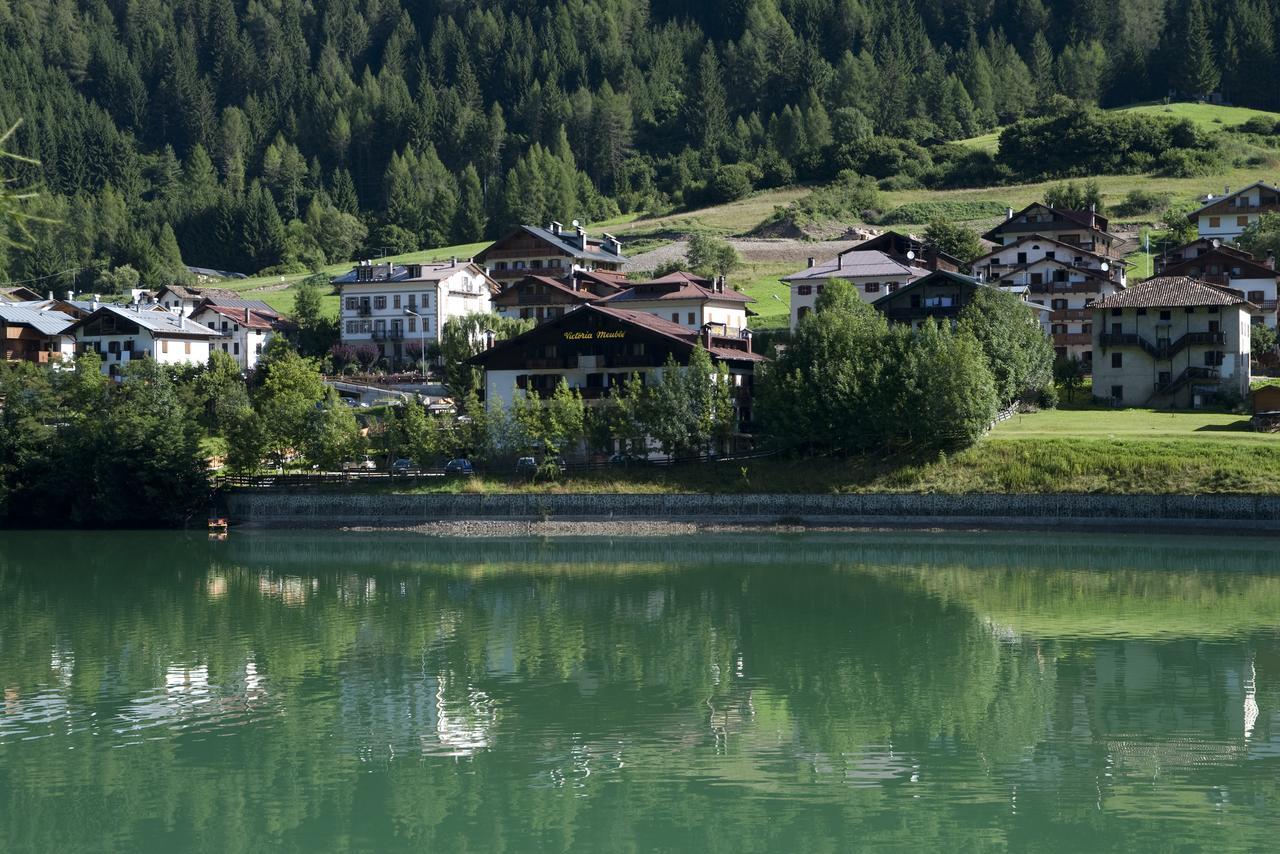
(893, 286)
(1215, 222)
(352, 304)
(1213, 358)
(351, 327)
(1257, 296)
(1117, 392)
(536, 264)
(1117, 360)
(426, 302)
(554, 262)
(380, 303)
(395, 301)
(1086, 328)
(872, 287)
(1050, 255)
(821, 288)
(1242, 221)
(501, 265)
(1059, 329)
(164, 346)
(1022, 257)
(1059, 305)
(675, 317)
(1165, 315)
(186, 347)
(517, 265)
(413, 324)
(804, 290)
(691, 319)
(236, 348)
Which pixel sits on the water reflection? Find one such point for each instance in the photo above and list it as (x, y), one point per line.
(282, 691)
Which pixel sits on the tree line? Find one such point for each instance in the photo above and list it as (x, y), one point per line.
(248, 136)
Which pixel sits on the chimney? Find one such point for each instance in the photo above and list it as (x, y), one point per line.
(453, 260)
(1093, 207)
(555, 228)
(1271, 261)
(706, 336)
(1226, 191)
(811, 261)
(71, 295)
(582, 237)
(94, 304)
(246, 315)
(1008, 214)
(746, 336)
(51, 295)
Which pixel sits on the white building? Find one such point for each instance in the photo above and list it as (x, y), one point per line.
(121, 334)
(1066, 278)
(873, 273)
(1238, 270)
(184, 300)
(1227, 216)
(687, 300)
(402, 308)
(243, 330)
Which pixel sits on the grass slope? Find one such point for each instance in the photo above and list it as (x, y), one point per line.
(1070, 451)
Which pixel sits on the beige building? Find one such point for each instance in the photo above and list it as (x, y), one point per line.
(688, 300)
(1170, 342)
(1226, 217)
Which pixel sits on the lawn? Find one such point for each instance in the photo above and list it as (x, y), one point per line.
(1111, 424)
(1207, 116)
(761, 281)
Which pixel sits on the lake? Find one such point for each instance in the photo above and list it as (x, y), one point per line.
(284, 691)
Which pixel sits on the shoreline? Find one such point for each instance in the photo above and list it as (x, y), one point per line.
(563, 515)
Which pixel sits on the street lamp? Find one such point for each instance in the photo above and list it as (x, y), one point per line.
(422, 353)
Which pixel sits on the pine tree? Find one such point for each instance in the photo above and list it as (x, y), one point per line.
(1197, 70)
(469, 221)
(708, 114)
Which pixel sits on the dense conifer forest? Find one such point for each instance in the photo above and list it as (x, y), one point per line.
(255, 135)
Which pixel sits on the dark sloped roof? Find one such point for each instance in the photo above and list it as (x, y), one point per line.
(431, 272)
(44, 322)
(183, 292)
(676, 286)
(1036, 236)
(1170, 292)
(157, 322)
(1228, 259)
(555, 284)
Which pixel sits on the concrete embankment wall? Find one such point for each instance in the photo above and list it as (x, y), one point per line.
(276, 509)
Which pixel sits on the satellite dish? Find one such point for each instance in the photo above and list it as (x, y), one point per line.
(1217, 243)
(574, 223)
(911, 255)
(1105, 266)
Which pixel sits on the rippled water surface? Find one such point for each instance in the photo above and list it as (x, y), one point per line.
(909, 692)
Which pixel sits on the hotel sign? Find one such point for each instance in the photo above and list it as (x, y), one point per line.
(598, 335)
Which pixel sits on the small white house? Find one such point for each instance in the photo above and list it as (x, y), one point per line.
(872, 273)
(687, 300)
(121, 334)
(1227, 216)
(243, 330)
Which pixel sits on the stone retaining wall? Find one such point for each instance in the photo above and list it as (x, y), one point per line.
(269, 508)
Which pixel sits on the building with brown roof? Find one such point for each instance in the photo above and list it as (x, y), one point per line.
(1233, 268)
(1085, 230)
(183, 300)
(543, 298)
(597, 347)
(1226, 217)
(1171, 341)
(688, 300)
(552, 251)
(243, 331)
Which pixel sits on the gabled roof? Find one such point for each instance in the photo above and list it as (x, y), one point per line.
(256, 305)
(933, 277)
(432, 271)
(43, 321)
(247, 316)
(556, 285)
(17, 293)
(1229, 259)
(155, 322)
(679, 285)
(651, 323)
(1089, 272)
(1171, 292)
(886, 240)
(564, 242)
(1040, 238)
(855, 263)
(1217, 200)
(1088, 220)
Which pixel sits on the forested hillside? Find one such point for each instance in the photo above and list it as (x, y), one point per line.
(277, 134)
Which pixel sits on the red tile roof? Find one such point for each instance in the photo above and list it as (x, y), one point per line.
(1170, 292)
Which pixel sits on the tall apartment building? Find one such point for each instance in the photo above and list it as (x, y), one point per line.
(401, 308)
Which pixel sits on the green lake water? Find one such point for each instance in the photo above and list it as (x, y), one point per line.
(887, 692)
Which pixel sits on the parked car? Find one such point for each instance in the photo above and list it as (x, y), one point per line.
(403, 466)
(459, 467)
(626, 460)
(527, 467)
(360, 465)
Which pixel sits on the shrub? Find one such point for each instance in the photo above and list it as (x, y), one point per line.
(1265, 125)
(1189, 163)
(1139, 202)
(917, 212)
(732, 182)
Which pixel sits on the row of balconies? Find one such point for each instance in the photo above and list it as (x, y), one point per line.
(1163, 348)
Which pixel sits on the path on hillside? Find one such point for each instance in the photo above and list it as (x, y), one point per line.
(780, 250)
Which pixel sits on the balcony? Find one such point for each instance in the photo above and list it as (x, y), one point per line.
(393, 334)
(364, 309)
(1163, 349)
(904, 315)
(1072, 338)
(1062, 288)
(1187, 376)
(1064, 315)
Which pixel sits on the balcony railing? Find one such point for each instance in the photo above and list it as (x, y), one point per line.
(1162, 349)
(922, 311)
(392, 334)
(1188, 375)
(1064, 338)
